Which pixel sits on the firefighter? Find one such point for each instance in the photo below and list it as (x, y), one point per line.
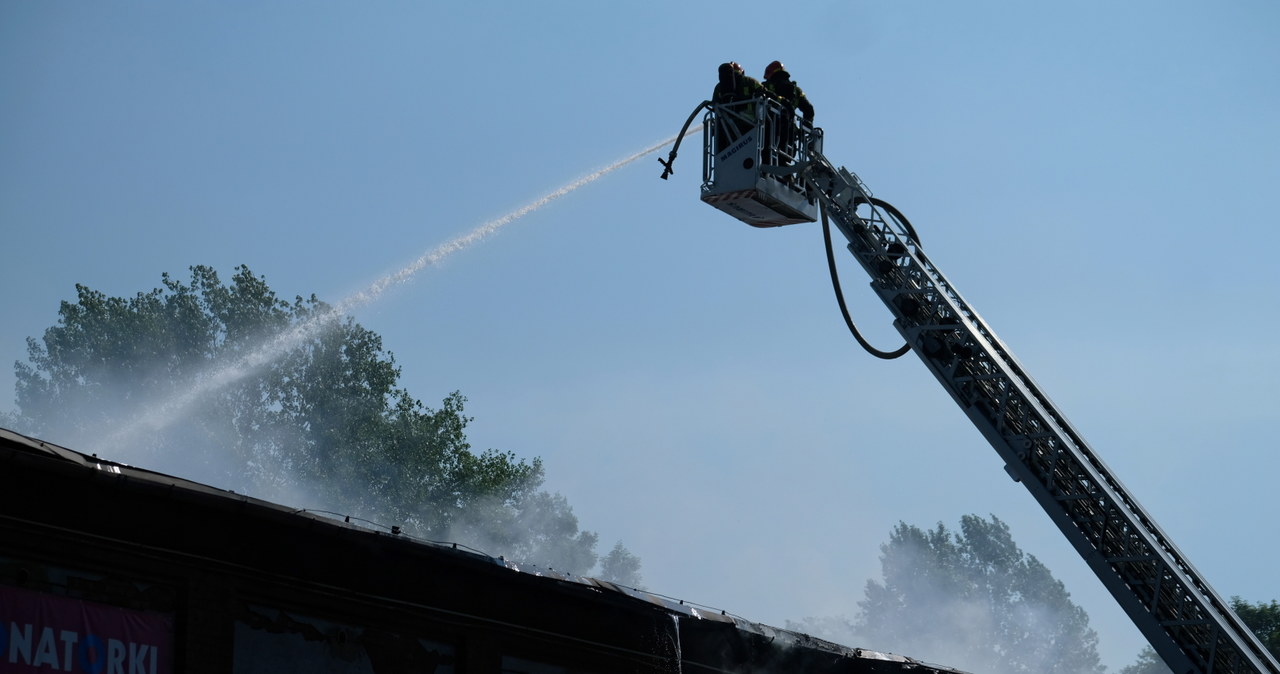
(735, 87)
(778, 86)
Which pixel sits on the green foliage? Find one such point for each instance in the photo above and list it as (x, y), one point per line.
(322, 425)
(974, 600)
(620, 566)
(1147, 663)
(1263, 618)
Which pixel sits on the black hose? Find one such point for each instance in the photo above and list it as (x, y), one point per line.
(906, 224)
(667, 169)
(835, 280)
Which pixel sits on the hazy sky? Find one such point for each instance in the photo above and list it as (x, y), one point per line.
(1096, 178)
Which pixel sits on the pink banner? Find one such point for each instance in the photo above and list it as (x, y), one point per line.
(47, 633)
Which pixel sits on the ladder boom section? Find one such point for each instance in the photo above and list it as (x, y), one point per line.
(1187, 623)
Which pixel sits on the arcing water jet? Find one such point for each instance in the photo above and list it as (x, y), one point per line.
(161, 415)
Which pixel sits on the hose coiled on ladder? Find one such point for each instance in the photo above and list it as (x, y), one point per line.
(835, 278)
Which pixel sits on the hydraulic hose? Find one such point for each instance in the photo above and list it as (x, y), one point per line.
(667, 170)
(835, 279)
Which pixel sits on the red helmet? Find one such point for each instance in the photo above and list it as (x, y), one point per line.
(772, 68)
(736, 68)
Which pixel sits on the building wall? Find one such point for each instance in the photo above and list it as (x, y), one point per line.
(218, 583)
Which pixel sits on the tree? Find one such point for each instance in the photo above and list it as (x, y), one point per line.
(1147, 663)
(322, 424)
(1264, 619)
(620, 566)
(974, 600)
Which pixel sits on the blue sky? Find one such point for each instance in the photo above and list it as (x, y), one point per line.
(1096, 178)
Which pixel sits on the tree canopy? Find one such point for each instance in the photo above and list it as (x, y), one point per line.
(1263, 618)
(1147, 663)
(973, 599)
(324, 424)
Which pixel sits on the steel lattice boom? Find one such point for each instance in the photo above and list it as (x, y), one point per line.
(767, 169)
(1187, 623)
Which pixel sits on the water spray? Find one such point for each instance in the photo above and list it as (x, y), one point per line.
(160, 416)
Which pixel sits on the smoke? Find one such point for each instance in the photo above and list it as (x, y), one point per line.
(528, 525)
(200, 427)
(971, 600)
(162, 414)
(837, 629)
(540, 528)
(963, 633)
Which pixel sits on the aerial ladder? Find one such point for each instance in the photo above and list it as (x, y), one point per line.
(766, 168)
